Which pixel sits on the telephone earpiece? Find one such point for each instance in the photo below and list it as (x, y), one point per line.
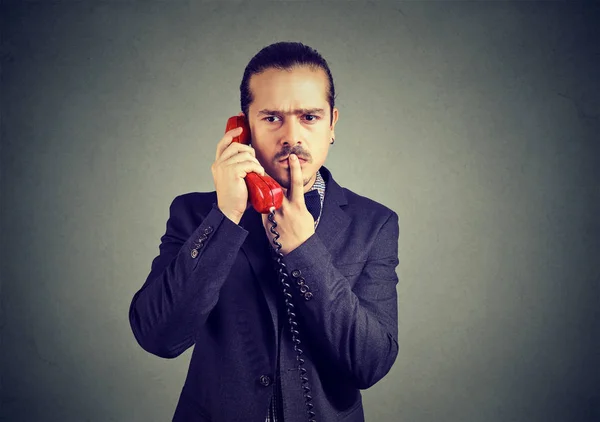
(239, 121)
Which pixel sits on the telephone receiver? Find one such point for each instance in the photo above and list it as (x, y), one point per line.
(264, 193)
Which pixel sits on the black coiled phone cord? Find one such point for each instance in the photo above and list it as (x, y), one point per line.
(283, 277)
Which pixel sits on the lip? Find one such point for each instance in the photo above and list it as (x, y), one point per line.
(285, 160)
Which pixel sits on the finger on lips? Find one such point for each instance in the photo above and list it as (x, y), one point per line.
(296, 184)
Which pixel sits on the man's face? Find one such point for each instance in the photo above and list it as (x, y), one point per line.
(290, 114)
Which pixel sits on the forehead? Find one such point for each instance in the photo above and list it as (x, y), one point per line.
(300, 87)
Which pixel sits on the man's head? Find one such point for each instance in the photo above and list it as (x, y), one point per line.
(287, 95)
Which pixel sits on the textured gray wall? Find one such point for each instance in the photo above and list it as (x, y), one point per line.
(477, 122)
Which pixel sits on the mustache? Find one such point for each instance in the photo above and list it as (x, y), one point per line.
(296, 150)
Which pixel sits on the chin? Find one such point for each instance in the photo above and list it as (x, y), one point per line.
(283, 178)
(284, 181)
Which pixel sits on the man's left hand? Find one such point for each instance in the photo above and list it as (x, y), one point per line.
(295, 223)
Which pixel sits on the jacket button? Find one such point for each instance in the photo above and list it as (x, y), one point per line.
(194, 253)
(296, 273)
(208, 230)
(265, 380)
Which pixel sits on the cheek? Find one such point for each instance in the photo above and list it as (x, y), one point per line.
(321, 151)
(262, 145)
(262, 153)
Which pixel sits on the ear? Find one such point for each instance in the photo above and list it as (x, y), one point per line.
(334, 121)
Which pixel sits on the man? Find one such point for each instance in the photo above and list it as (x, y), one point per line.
(215, 283)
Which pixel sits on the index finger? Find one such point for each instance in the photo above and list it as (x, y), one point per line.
(296, 182)
(226, 141)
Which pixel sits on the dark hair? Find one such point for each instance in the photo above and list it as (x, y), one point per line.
(284, 56)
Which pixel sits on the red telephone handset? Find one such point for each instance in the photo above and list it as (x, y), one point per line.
(264, 192)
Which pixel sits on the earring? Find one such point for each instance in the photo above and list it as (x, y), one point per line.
(332, 141)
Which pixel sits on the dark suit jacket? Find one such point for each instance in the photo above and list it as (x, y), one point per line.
(225, 300)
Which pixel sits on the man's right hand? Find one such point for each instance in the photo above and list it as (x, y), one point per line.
(233, 162)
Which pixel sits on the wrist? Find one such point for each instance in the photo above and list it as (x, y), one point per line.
(232, 215)
(286, 249)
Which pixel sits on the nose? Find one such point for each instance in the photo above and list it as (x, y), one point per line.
(291, 132)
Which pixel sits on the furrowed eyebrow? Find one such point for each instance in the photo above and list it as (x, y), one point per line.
(298, 111)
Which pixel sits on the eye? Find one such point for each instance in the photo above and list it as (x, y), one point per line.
(313, 118)
(270, 117)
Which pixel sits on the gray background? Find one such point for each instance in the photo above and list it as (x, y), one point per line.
(477, 122)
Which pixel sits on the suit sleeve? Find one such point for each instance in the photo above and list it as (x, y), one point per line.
(185, 279)
(357, 328)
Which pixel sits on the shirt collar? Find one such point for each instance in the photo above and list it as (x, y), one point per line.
(319, 185)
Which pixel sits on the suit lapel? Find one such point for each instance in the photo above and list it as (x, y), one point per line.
(334, 220)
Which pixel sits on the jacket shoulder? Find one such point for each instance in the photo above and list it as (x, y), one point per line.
(196, 203)
(363, 206)
(355, 205)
